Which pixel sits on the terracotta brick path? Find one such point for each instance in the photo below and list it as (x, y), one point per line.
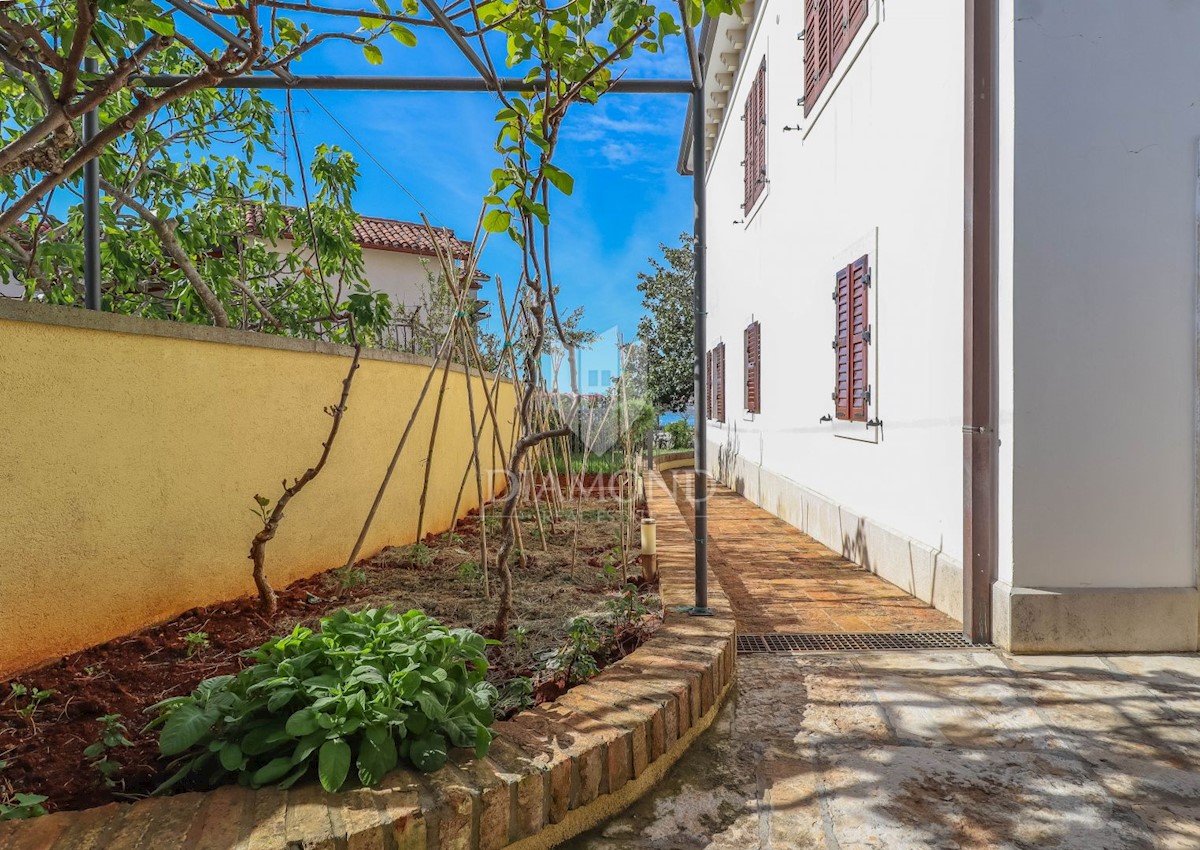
(780, 580)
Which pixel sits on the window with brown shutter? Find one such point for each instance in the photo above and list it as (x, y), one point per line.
(754, 173)
(753, 338)
(708, 384)
(852, 390)
(829, 29)
(719, 381)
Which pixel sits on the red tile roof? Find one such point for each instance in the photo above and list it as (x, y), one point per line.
(389, 234)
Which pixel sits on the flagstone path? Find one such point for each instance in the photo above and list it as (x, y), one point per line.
(919, 749)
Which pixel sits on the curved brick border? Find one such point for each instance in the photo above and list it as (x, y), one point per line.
(553, 771)
(674, 460)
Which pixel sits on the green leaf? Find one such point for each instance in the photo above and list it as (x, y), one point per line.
(184, 728)
(377, 755)
(272, 771)
(301, 723)
(373, 53)
(483, 741)
(333, 764)
(163, 26)
(370, 23)
(496, 221)
(231, 757)
(428, 753)
(403, 35)
(559, 179)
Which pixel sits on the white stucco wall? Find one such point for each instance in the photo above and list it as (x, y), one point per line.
(885, 160)
(401, 275)
(1107, 120)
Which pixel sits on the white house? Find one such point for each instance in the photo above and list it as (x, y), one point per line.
(398, 258)
(952, 277)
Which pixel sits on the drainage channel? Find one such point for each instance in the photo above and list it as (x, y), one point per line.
(851, 642)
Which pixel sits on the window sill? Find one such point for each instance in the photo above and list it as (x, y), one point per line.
(874, 15)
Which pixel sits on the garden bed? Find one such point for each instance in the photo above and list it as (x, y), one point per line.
(576, 572)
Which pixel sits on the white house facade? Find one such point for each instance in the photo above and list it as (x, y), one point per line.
(837, 138)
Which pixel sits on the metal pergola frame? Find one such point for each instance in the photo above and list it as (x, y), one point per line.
(286, 81)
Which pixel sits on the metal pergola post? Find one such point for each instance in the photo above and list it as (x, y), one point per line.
(91, 209)
(700, 496)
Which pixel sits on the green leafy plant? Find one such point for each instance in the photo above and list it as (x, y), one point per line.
(679, 432)
(576, 659)
(22, 807)
(629, 607)
(112, 737)
(14, 806)
(519, 636)
(609, 567)
(366, 689)
(515, 695)
(195, 642)
(349, 577)
(32, 698)
(420, 555)
(469, 571)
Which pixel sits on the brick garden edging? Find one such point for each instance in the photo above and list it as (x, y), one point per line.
(674, 460)
(553, 771)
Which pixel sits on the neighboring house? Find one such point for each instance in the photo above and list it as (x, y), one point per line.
(838, 134)
(398, 258)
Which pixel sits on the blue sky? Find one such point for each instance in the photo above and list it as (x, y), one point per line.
(622, 152)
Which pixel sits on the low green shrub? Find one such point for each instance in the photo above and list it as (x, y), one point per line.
(680, 433)
(367, 689)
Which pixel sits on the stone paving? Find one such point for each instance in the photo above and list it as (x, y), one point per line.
(780, 580)
(918, 749)
(964, 749)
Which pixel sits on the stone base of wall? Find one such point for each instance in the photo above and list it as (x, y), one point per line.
(1100, 619)
(915, 567)
(552, 772)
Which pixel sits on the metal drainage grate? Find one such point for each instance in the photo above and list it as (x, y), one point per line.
(840, 642)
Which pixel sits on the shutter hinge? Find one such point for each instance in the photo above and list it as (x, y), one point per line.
(866, 335)
(834, 295)
(867, 396)
(867, 278)
(800, 35)
(833, 395)
(834, 346)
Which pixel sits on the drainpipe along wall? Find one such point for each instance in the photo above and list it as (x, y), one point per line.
(980, 307)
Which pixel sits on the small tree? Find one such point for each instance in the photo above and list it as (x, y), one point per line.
(667, 327)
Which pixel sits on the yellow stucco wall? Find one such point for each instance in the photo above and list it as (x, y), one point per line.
(131, 450)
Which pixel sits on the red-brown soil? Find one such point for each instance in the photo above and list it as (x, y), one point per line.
(44, 753)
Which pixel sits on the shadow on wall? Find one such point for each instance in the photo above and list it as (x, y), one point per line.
(726, 468)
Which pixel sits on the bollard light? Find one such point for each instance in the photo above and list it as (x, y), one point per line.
(649, 556)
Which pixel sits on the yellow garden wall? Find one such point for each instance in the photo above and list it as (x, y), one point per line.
(131, 450)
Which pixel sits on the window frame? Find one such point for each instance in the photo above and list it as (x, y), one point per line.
(754, 142)
(852, 341)
(752, 365)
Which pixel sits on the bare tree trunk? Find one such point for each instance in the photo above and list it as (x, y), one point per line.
(258, 547)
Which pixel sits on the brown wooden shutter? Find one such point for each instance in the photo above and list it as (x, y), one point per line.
(708, 384)
(829, 29)
(860, 336)
(719, 384)
(841, 345)
(839, 31)
(754, 117)
(811, 74)
(753, 339)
